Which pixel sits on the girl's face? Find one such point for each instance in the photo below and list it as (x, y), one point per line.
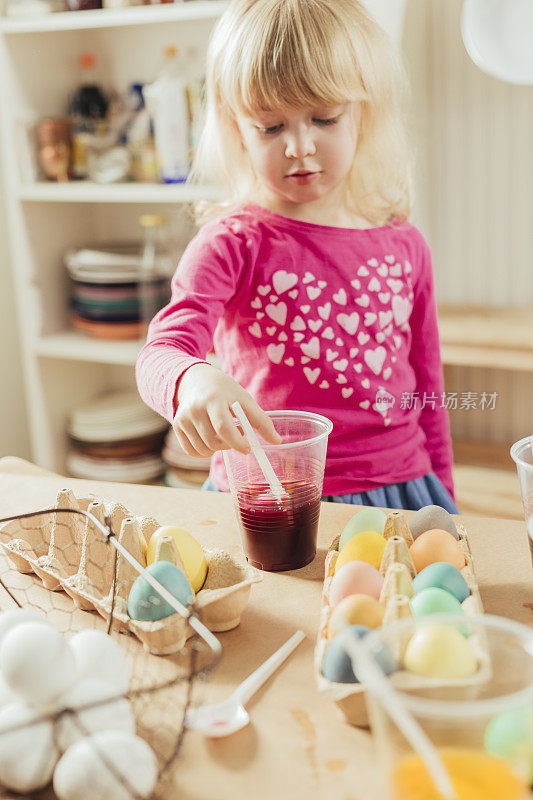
(301, 155)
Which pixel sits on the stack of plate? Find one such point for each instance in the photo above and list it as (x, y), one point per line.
(183, 471)
(111, 296)
(116, 438)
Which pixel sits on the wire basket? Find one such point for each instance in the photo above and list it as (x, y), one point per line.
(76, 541)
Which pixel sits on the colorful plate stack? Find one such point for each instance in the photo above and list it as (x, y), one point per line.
(116, 438)
(183, 471)
(111, 296)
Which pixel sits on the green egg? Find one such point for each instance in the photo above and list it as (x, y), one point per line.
(437, 601)
(509, 735)
(368, 519)
(146, 605)
(442, 575)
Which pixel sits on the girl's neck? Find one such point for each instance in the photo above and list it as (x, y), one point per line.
(323, 211)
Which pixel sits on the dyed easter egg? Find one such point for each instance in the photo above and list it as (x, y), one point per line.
(430, 517)
(442, 576)
(365, 546)
(437, 601)
(368, 519)
(439, 651)
(145, 604)
(337, 665)
(357, 609)
(190, 551)
(509, 735)
(355, 577)
(436, 545)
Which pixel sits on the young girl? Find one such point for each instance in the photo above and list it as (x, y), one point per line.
(315, 289)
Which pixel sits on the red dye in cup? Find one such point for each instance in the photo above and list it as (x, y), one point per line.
(279, 537)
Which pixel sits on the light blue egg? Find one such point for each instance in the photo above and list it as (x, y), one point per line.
(442, 575)
(437, 601)
(146, 605)
(337, 664)
(368, 519)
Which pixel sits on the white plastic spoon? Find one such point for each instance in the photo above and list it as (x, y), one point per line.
(230, 716)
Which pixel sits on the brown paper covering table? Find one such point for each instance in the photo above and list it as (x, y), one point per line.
(297, 747)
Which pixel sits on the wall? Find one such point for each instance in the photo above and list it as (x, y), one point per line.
(13, 430)
(474, 178)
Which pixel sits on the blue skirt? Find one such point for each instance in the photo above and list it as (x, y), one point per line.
(410, 495)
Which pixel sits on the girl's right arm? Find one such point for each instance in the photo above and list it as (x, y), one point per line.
(172, 374)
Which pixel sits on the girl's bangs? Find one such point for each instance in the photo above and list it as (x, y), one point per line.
(283, 63)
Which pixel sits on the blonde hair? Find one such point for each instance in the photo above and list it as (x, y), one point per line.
(305, 53)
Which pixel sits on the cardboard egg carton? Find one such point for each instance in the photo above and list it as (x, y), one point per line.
(69, 553)
(396, 564)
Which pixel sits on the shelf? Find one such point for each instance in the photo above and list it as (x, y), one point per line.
(114, 18)
(88, 192)
(74, 346)
(493, 338)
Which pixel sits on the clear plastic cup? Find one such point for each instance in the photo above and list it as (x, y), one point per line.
(482, 726)
(522, 455)
(280, 536)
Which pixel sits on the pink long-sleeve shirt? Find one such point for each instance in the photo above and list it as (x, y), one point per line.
(339, 321)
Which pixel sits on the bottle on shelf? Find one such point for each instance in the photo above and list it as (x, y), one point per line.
(138, 137)
(166, 101)
(88, 108)
(156, 266)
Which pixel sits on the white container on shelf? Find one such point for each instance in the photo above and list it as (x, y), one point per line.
(166, 101)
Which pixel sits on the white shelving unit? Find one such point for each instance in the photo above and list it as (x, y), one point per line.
(38, 63)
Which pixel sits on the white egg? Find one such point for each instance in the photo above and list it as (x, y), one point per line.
(7, 695)
(115, 715)
(28, 754)
(37, 662)
(16, 616)
(99, 656)
(82, 773)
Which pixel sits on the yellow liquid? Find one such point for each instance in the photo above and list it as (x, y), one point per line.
(475, 775)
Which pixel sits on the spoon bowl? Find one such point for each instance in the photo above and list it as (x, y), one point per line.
(229, 716)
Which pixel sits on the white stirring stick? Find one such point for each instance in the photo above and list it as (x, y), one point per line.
(262, 459)
(374, 680)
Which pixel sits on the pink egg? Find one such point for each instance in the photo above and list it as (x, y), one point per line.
(355, 577)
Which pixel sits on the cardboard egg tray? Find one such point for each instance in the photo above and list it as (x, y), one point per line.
(69, 553)
(350, 697)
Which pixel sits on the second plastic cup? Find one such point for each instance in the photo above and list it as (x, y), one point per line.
(281, 536)
(482, 726)
(522, 454)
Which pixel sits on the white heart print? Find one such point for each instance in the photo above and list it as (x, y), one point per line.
(349, 322)
(341, 297)
(327, 333)
(341, 364)
(277, 312)
(363, 272)
(314, 324)
(365, 404)
(260, 314)
(324, 311)
(374, 285)
(372, 262)
(313, 292)
(283, 337)
(365, 383)
(382, 270)
(275, 352)
(331, 355)
(308, 277)
(256, 303)
(324, 385)
(305, 309)
(294, 294)
(363, 301)
(298, 337)
(305, 360)
(346, 392)
(298, 324)
(339, 342)
(273, 298)
(390, 259)
(356, 284)
(264, 290)
(341, 379)
(271, 330)
(312, 348)
(322, 284)
(289, 361)
(312, 374)
(283, 281)
(358, 367)
(375, 358)
(362, 337)
(370, 318)
(255, 330)
(353, 351)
